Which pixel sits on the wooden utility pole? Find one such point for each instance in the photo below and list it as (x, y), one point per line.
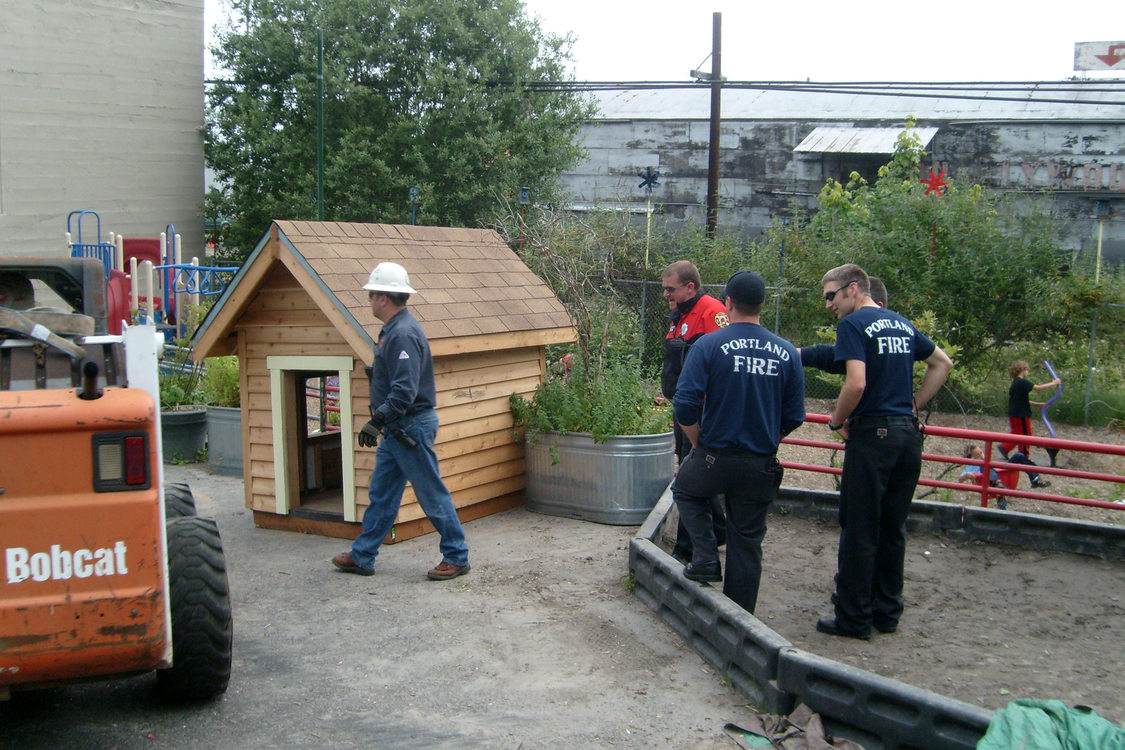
(716, 120)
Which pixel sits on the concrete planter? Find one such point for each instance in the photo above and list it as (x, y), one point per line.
(183, 433)
(616, 482)
(224, 440)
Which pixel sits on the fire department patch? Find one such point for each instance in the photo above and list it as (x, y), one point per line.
(721, 319)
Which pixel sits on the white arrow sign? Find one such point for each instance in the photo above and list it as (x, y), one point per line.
(1099, 56)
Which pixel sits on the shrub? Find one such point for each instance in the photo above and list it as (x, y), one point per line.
(616, 401)
(220, 382)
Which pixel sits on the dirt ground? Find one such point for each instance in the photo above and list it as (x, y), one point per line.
(543, 641)
(984, 623)
(1066, 486)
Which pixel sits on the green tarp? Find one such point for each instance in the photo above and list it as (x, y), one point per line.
(1050, 725)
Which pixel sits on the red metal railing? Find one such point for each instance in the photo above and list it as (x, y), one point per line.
(329, 395)
(982, 486)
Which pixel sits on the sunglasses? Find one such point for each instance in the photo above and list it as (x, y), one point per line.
(670, 289)
(829, 296)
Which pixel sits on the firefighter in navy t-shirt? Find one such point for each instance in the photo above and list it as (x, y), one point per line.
(741, 391)
(875, 414)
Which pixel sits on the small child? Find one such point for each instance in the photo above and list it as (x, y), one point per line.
(972, 473)
(1019, 410)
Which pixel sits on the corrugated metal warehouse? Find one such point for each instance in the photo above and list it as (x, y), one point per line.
(1064, 141)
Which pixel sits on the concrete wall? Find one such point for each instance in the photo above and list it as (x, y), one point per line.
(101, 108)
(1071, 164)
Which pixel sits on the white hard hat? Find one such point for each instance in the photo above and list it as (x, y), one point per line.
(390, 278)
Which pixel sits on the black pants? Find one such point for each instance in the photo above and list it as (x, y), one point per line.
(881, 468)
(682, 550)
(750, 484)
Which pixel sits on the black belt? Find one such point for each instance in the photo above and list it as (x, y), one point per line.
(881, 421)
(733, 452)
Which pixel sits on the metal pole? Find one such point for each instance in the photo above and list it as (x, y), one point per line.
(1090, 368)
(644, 325)
(716, 119)
(320, 125)
(780, 276)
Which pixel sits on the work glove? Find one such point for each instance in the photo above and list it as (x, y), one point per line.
(369, 435)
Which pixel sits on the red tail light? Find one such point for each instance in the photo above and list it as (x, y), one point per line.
(136, 461)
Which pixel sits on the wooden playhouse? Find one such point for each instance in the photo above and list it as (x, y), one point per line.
(296, 313)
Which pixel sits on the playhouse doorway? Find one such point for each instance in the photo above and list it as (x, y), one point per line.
(313, 461)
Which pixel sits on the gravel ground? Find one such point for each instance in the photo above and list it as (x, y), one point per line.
(543, 642)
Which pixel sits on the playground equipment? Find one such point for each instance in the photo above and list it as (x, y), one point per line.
(146, 278)
(1051, 451)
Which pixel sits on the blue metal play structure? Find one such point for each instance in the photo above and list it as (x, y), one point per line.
(146, 278)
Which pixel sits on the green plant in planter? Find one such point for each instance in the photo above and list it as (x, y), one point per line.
(180, 378)
(616, 400)
(220, 382)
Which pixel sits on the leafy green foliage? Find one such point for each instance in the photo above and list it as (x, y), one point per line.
(179, 378)
(439, 94)
(220, 381)
(613, 401)
(977, 271)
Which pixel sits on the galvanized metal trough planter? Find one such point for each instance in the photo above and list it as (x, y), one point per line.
(615, 482)
(224, 440)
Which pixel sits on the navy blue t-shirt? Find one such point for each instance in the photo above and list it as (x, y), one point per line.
(748, 386)
(888, 344)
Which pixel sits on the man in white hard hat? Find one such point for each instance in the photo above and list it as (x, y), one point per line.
(402, 409)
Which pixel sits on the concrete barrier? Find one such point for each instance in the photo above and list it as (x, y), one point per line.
(876, 711)
(865, 706)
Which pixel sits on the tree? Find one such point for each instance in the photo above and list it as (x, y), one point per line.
(444, 95)
(982, 268)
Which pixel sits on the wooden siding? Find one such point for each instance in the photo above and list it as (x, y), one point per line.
(279, 320)
(488, 319)
(478, 457)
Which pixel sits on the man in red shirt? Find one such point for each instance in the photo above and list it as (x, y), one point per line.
(692, 314)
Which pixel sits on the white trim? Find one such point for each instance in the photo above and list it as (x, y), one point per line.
(278, 365)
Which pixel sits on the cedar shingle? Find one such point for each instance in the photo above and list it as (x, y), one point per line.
(469, 281)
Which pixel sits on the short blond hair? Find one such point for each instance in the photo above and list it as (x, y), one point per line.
(1018, 367)
(846, 274)
(685, 271)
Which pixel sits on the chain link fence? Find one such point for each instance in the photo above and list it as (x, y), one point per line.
(1090, 369)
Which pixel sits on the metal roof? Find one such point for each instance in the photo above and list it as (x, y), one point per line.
(858, 140)
(1103, 99)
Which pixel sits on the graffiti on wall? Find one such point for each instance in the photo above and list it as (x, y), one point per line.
(1061, 175)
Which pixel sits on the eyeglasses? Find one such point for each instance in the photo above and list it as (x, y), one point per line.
(670, 289)
(829, 296)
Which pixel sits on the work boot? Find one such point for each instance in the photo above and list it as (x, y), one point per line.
(344, 562)
(444, 571)
(710, 572)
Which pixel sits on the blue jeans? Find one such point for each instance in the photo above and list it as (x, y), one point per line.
(396, 463)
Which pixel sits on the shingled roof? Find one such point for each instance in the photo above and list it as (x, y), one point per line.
(471, 286)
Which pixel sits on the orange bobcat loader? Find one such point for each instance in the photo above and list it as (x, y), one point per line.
(104, 572)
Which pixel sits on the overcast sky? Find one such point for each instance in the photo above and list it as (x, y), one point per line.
(870, 40)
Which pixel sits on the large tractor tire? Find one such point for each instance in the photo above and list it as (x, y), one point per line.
(201, 614)
(179, 502)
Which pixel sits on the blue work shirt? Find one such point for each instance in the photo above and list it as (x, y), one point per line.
(745, 388)
(402, 377)
(888, 345)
